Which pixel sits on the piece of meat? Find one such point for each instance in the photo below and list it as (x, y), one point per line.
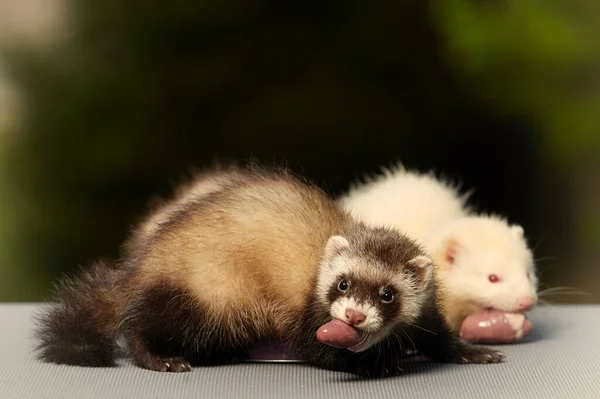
(495, 327)
(338, 334)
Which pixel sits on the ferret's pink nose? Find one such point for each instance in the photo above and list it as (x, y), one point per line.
(355, 318)
(526, 303)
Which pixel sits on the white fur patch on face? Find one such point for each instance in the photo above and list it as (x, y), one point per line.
(373, 320)
(411, 296)
(329, 272)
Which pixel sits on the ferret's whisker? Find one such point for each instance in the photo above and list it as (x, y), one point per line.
(542, 238)
(542, 271)
(550, 289)
(545, 258)
(421, 328)
(409, 338)
(556, 291)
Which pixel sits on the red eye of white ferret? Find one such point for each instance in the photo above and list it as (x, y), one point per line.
(493, 278)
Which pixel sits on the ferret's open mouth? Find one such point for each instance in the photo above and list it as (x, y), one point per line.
(339, 334)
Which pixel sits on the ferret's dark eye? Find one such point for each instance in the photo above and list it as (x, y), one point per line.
(343, 285)
(493, 278)
(529, 275)
(387, 296)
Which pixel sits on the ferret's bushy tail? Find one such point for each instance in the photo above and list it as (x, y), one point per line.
(81, 327)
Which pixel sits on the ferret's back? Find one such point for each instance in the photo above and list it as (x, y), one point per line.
(411, 202)
(253, 245)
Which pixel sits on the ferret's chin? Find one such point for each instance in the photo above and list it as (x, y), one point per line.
(365, 343)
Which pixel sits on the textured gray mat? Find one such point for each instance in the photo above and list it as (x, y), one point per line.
(560, 359)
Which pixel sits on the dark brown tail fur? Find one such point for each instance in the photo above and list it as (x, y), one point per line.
(81, 327)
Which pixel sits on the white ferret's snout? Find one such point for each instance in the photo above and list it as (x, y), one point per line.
(513, 300)
(363, 316)
(526, 303)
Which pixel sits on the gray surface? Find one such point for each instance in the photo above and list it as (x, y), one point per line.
(560, 359)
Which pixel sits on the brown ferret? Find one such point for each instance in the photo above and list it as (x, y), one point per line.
(265, 256)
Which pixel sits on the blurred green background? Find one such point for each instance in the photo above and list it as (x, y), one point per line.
(106, 103)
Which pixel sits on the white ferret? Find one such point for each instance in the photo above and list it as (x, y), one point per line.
(483, 262)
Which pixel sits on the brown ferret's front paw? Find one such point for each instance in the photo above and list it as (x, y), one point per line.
(479, 355)
(174, 364)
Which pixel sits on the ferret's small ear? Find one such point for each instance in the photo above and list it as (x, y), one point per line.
(451, 247)
(335, 245)
(517, 230)
(422, 269)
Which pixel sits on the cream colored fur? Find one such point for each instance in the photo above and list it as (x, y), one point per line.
(412, 202)
(231, 254)
(433, 212)
(198, 187)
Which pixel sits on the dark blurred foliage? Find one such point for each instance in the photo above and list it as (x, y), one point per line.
(142, 91)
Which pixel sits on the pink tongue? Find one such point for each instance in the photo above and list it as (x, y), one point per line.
(338, 334)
